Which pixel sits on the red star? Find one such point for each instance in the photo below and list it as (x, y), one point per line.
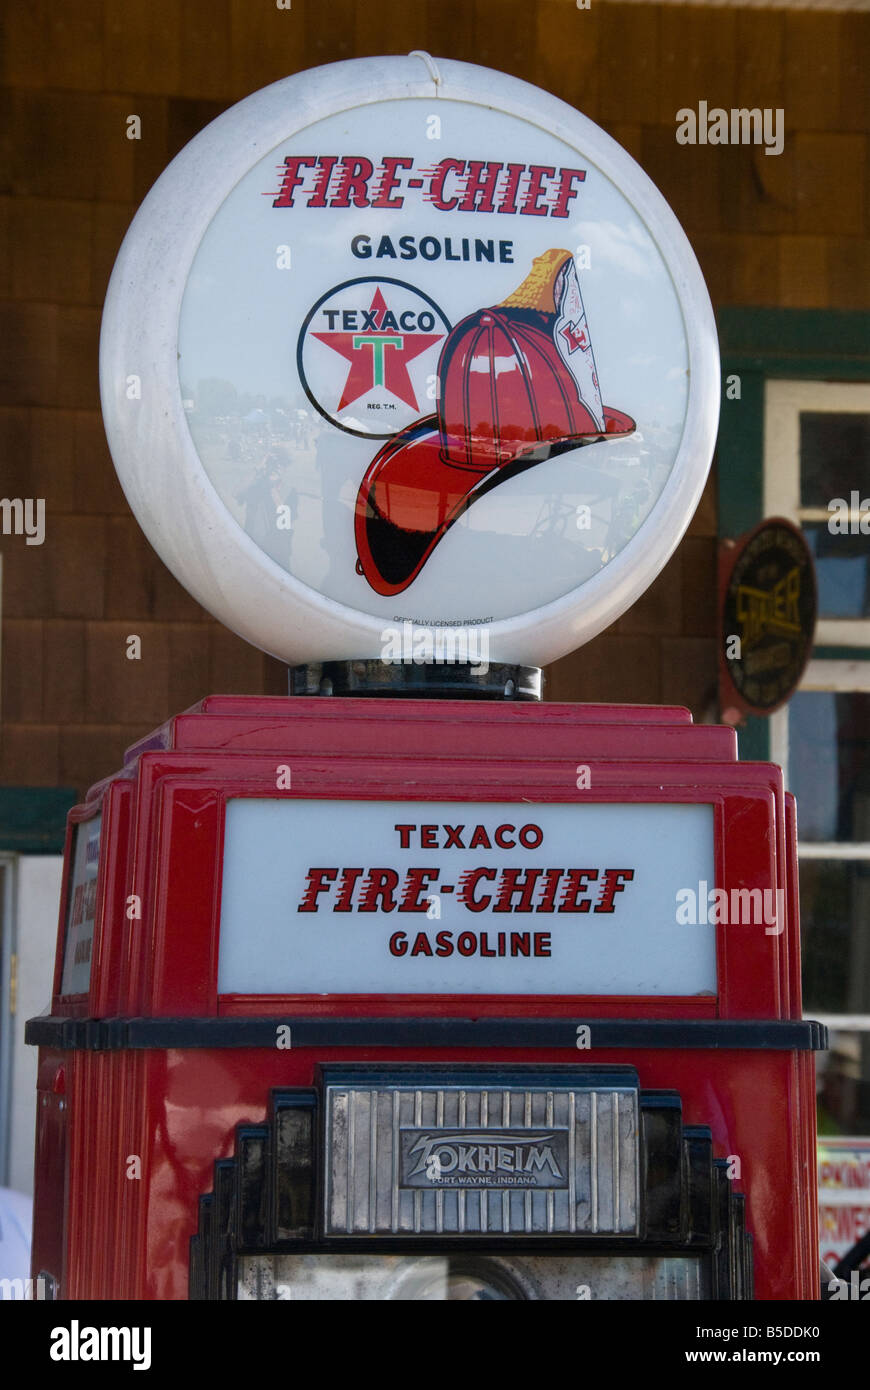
(379, 357)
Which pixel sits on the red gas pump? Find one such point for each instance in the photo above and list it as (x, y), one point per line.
(361, 996)
(523, 1138)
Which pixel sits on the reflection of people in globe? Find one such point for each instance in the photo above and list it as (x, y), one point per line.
(261, 500)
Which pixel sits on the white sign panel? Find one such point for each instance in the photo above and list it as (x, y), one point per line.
(81, 908)
(422, 897)
(844, 1195)
(382, 346)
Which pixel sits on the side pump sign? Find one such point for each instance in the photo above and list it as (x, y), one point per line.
(488, 898)
(439, 353)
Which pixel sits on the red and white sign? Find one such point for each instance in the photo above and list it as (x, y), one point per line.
(81, 907)
(844, 1195)
(394, 341)
(423, 897)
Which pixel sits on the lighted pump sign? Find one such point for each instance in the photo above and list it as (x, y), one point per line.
(81, 908)
(398, 342)
(423, 897)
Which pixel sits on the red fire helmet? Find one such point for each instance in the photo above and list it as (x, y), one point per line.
(517, 385)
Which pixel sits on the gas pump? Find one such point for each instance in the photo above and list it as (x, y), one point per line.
(407, 985)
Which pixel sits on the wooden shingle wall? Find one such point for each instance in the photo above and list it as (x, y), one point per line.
(789, 230)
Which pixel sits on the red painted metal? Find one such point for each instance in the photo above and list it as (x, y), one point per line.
(104, 1234)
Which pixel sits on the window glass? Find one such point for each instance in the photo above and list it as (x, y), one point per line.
(835, 909)
(834, 455)
(843, 1090)
(842, 571)
(829, 764)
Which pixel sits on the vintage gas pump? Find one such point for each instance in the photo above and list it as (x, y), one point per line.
(407, 986)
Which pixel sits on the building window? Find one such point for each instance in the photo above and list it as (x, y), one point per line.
(817, 473)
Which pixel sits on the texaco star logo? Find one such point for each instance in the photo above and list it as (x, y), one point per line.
(379, 354)
(368, 353)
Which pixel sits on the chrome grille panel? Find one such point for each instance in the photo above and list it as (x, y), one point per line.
(477, 1160)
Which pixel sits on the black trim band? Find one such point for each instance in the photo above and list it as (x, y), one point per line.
(448, 680)
(117, 1034)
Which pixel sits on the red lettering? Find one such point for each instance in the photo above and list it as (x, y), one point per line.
(356, 171)
(542, 943)
(405, 835)
(319, 881)
(575, 885)
(83, 951)
(516, 881)
(565, 191)
(346, 886)
(526, 835)
(416, 883)
(379, 884)
(444, 944)
(610, 886)
(453, 836)
(398, 944)
(480, 839)
(325, 165)
(536, 191)
(428, 836)
(292, 178)
(500, 838)
(548, 896)
(436, 184)
(466, 943)
(480, 185)
(89, 906)
(421, 946)
(388, 182)
(508, 199)
(467, 884)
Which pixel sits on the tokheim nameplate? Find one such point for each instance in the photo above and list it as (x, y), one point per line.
(470, 1154)
(487, 1158)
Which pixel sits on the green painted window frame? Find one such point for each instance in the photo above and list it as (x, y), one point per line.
(33, 819)
(759, 345)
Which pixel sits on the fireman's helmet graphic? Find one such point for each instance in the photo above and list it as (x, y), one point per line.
(517, 385)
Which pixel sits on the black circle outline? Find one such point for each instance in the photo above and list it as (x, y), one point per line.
(732, 666)
(360, 280)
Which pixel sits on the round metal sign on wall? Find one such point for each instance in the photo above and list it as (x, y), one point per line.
(403, 339)
(768, 606)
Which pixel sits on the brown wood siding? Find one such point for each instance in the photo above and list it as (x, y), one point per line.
(788, 231)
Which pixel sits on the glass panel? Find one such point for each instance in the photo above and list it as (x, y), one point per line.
(842, 571)
(297, 382)
(81, 908)
(835, 909)
(843, 1090)
(829, 764)
(835, 455)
